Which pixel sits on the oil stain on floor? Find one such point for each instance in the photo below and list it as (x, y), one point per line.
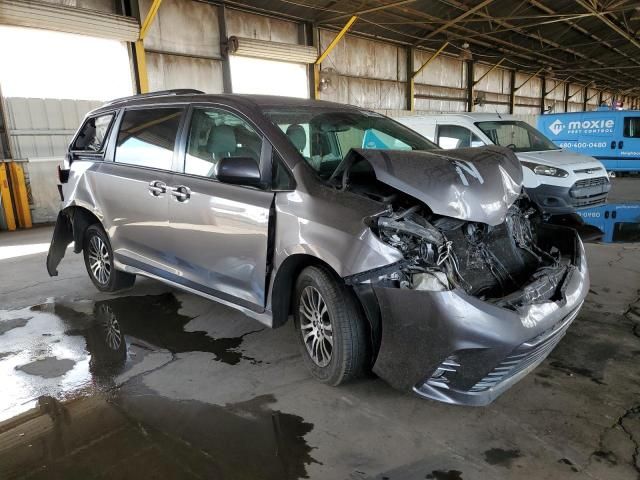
(444, 475)
(501, 457)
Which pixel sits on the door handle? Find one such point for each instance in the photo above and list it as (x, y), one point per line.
(613, 145)
(181, 193)
(620, 144)
(157, 188)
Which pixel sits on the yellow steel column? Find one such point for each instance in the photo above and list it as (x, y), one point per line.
(422, 67)
(5, 195)
(141, 61)
(20, 197)
(335, 41)
(327, 51)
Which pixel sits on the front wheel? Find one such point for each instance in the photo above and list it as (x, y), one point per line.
(98, 259)
(330, 326)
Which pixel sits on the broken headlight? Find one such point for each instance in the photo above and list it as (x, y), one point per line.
(425, 249)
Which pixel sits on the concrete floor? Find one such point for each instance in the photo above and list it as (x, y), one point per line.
(203, 392)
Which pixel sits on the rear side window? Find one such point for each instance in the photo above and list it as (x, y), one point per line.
(217, 134)
(455, 136)
(147, 137)
(93, 134)
(632, 127)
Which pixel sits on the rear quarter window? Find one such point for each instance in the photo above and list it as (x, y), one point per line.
(147, 137)
(93, 134)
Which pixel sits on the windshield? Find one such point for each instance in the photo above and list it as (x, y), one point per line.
(516, 135)
(324, 136)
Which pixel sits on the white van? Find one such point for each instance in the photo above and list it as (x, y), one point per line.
(557, 179)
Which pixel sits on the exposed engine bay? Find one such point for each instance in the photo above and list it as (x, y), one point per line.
(488, 262)
(518, 262)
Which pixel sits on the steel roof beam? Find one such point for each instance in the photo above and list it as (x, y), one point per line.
(534, 36)
(538, 4)
(367, 10)
(453, 21)
(610, 23)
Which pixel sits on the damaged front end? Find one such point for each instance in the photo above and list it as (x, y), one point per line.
(474, 305)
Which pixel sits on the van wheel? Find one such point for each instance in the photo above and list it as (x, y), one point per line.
(98, 258)
(330, 327)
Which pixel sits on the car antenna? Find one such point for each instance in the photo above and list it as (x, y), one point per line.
(498, 113)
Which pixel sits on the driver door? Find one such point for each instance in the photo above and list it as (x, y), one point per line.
(220, 231)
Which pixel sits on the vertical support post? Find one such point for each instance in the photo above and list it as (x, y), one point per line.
(567, 89)
(5, 198)
(141, 60)
(543, 95)
(470, 82)
(512, 92)
(20, 197)
(141, 66)
(585, 98)
(411, 88)
(424, 65)
(227, 86)
(313, 71)
(600, 98)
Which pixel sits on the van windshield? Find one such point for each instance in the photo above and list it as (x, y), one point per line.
(516, 135)
(324, 136)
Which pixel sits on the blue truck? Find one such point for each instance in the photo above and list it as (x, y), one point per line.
(611, 136)
(618, 222)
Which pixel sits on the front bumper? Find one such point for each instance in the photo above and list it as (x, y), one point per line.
(584, 193)
(479, 349)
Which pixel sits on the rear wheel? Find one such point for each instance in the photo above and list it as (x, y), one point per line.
(330, 327)
(98, 259)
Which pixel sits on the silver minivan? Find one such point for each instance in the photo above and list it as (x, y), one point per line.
(429, 267)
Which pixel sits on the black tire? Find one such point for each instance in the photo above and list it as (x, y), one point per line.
(350, 347)
(97, 248)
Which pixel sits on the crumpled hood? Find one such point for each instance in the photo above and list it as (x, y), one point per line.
(559, 158)
(475, 184)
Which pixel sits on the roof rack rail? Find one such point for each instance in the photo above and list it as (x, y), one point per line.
(159, 93)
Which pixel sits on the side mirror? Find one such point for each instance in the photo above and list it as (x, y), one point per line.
(239, 171)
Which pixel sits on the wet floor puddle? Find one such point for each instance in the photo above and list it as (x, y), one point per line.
(146, 436)
(61, 417)
(63, 349)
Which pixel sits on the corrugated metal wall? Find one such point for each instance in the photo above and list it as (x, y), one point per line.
(184, 51)
(183, 45)
(260, 27)
(40, 130)
(370, 74)
(42, 127)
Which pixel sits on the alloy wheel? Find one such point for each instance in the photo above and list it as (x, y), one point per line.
(99, 260)
(316, 327)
